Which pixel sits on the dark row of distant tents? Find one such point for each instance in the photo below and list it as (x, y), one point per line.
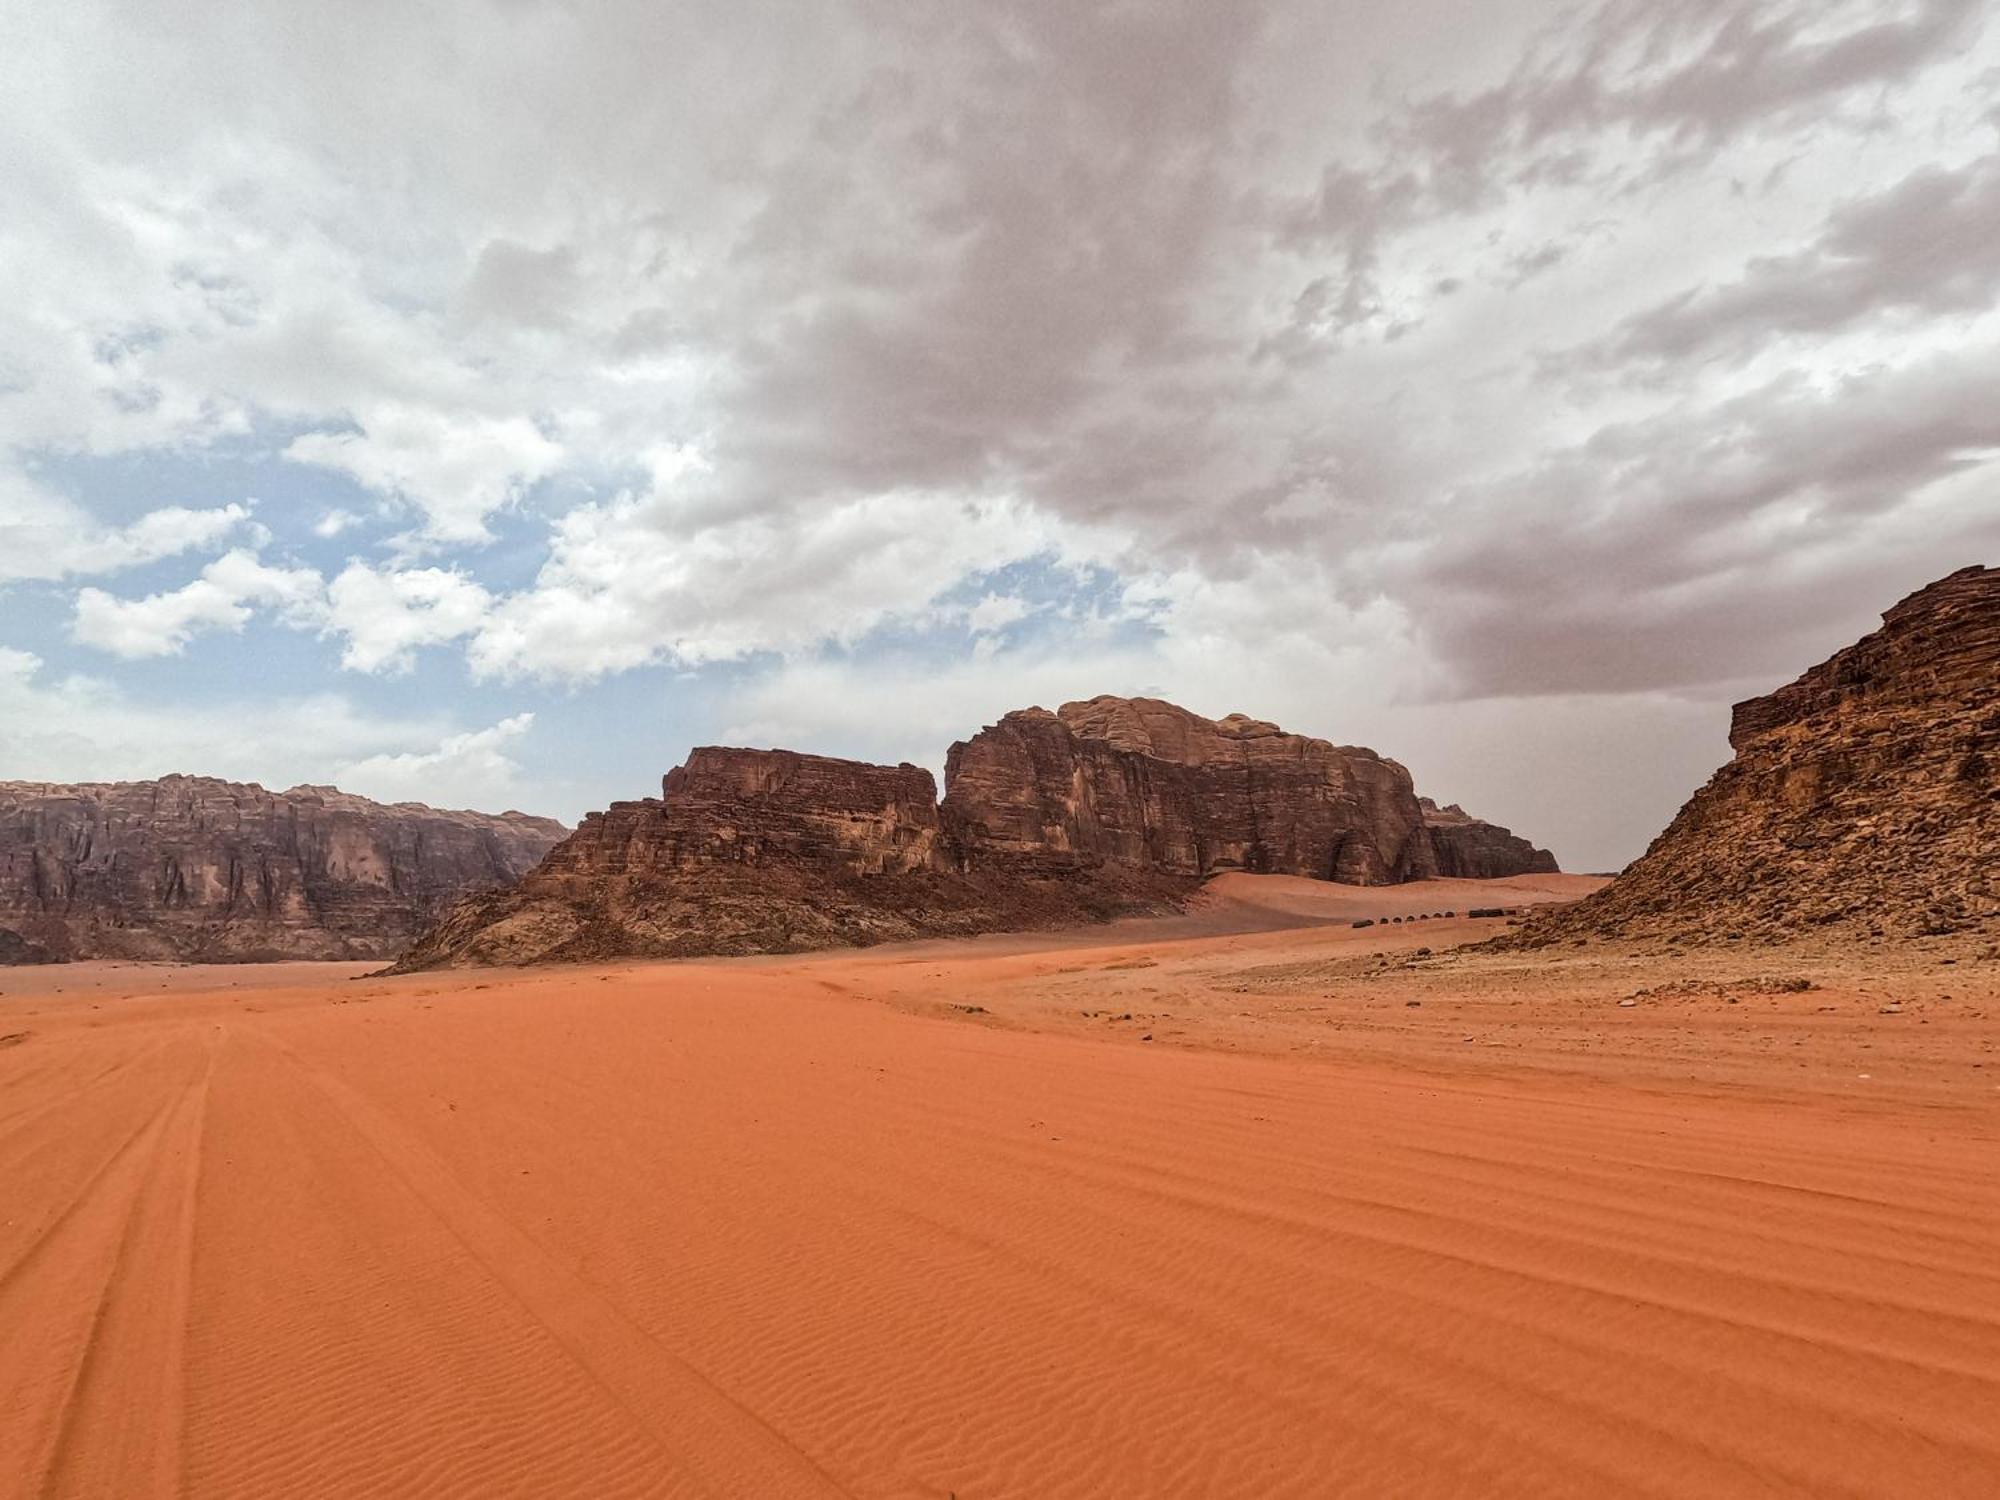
(1476, 911)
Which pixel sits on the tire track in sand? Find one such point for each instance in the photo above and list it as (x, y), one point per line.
(716, 1446)
(98, 1389)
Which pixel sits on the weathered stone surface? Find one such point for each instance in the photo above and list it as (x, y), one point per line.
(1864, 798)
(1466, 848)
(1111, 807)
(741, 806)
(15, 949)
(763, 851)
(1140, 782)
(191, 868)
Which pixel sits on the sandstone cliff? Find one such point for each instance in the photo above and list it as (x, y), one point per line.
(1467, 848)
(762, 851)
(1110, 807)
(1139, 782)
(191, 868)
(1864, 798)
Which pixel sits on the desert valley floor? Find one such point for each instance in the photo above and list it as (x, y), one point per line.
(1246, 1203)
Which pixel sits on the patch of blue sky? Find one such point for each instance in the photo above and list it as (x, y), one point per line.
(34, 616)
(294, 502)
(118, 488)
(1054, 597)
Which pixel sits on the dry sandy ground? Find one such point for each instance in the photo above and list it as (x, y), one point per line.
(940, 1220)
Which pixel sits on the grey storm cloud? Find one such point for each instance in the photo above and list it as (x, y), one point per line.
(1040, 203)
(1925, 246)
(1711, 544)
(1034, 260)
(1622, 94)
(1694, 73)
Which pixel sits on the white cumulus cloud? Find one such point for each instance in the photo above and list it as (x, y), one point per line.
(471, 769)
(74, 727)
(43, 536)
(387, 613)
(221, 598)
(457, 468)
(642, 580)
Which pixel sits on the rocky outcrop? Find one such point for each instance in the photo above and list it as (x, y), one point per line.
(1863, 799)
(191, 868)
(1466, 848)
(15, 949)
(1108, 808)
(764, 851)
(1142, 783)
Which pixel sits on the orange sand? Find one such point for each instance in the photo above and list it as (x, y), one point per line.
(936, 1220)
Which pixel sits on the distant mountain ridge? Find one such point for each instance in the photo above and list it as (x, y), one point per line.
(198, 869)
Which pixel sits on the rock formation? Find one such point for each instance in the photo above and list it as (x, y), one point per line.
(1110, 807)
(762, 851)
(15, 949)
(191, 868)
(1143, 783)
(1466, 848)
(1864, 798)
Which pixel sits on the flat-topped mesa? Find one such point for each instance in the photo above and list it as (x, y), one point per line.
(1863, 800)
(198, 869)
(1143, 783)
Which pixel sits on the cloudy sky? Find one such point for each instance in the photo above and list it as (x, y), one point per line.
(485, 401)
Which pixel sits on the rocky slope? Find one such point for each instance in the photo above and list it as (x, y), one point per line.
(1110, 807)
(192, 868)
(1863, 799)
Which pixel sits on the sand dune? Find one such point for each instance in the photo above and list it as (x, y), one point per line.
(907, 1223)
(1291, 898)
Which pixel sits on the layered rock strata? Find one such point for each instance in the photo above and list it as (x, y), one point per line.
(1467, 848)
(196, 869)
(1111, 807)
(764, 851)
(1143, 783)
(1863, 799)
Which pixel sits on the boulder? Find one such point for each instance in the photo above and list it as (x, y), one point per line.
(15, 949)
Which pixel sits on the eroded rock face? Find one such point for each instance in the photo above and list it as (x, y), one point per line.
(192, 868)
(763, 851)
(1466, 848)
(1111, 807)
(738, 806)
(1864, 798)
(15, 949)
(1141, 782)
